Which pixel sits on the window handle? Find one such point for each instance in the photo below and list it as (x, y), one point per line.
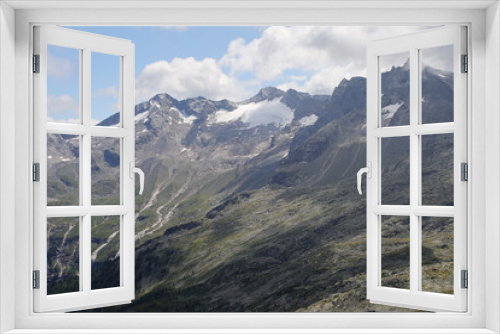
(368, 171)
(139, 171)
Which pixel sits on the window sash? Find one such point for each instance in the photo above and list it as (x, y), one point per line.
(86, 297)
(413, 298)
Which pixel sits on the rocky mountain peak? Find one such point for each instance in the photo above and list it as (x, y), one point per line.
(349, 95)
(161, 103)
(267, 93)
(201, 106)
(164, 99)
(406, 65)
(293, 97)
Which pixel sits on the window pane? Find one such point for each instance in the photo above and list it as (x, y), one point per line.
(437, 254)
(437, 84)
(105, 252)
(105, 89)
(395, 89)
(437, 170)
(63, 170)
(395, 171)
(395, 232)
(63, 255)
(63, 84)
(105, 171)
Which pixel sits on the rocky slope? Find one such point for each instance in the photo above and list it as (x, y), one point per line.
(252, 206)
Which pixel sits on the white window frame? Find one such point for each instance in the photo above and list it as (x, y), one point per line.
(86, 44)
(484, 50)
(415, 210)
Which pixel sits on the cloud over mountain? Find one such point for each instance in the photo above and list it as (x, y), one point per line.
(326, 54)
(313, 59)
(188, 77)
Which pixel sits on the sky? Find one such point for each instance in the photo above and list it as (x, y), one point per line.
(217, 62)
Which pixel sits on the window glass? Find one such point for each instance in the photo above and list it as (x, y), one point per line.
(105, 89)
(437, 84)
(437, 254)
(105, 252)
(63, 255)
(63, 85)
(395, 89)
(63, 170)
(395, 233)
(437, 169)
(395, 171)
(105, 171)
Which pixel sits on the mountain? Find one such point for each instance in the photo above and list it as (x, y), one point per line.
(252, 205)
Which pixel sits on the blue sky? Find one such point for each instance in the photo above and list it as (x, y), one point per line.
(215, 62)
(152, 44)
(165, 43)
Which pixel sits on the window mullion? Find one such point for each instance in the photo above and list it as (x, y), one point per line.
(86, 107)
(81, 229)
(109, 210)
(414, 170)
(418, 241)
(85, 237)
(85, 256)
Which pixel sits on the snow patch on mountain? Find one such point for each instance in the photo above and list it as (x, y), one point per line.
(140, 116)
(190, 119)
(308, 120)
(255, 114)
(390, 110)
(184, 117)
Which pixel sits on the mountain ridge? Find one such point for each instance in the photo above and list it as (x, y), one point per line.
(201, 106)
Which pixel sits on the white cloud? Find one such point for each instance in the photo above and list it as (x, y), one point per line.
(298, 77)
(393, 60)
(66, 121)
(186, 77)
(313, 59)
(71, 121)
(59, 68)
(440, 57)
(328, 53)
(111, 91)
(176, 28)
(62, 104)
(323, 81)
